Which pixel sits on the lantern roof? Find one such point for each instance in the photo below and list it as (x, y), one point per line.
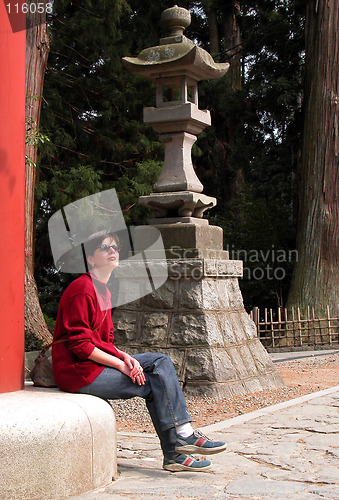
(175, 55)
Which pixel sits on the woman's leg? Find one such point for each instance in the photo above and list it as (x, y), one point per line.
(162, 392)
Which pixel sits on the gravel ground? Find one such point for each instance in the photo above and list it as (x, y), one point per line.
(301, 376)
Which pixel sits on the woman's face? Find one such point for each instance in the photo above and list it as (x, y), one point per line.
(106, 255)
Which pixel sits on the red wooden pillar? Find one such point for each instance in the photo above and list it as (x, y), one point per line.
(12, 203)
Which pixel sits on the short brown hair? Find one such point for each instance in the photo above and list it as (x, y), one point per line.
(95, 240)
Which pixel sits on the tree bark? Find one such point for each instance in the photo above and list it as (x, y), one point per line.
(316, 275)
(233, 44)
(212, 20)
(232, 39)
(37, 49)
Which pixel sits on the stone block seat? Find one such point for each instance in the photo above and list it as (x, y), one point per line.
(54, 445)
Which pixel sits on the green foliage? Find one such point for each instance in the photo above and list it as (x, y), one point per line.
(138, 184)
(261, 234)
(51, 287)
(33, 136)
(253, 148)
(32, 343)
(50, 322)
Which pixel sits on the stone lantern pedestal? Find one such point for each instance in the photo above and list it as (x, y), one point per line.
(197, 316)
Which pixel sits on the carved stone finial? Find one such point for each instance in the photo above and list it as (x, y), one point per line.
(175, 20)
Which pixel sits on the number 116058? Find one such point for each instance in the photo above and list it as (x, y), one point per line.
(32, 7)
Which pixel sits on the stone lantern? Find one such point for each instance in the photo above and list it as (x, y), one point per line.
(197, 316)
(176, 66)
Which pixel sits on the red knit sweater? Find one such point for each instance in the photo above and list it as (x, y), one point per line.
(82, 309)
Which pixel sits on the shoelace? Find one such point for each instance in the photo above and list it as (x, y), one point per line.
(198, 432)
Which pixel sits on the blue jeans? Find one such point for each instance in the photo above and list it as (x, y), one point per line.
(164, 398)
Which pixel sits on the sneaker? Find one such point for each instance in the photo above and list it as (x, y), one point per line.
(198, 443)
(179, 463)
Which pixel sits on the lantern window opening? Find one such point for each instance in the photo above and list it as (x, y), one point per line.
(170, 92)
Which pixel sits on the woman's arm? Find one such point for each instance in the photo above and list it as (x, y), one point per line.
(106, 359)
(132, 370)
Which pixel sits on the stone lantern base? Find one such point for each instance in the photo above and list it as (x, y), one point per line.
(198, 318)
(176, 207)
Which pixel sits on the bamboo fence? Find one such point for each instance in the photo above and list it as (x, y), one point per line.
(292, 328)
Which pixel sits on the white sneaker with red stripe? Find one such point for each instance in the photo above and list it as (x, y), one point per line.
(179, 462)
(198, 443)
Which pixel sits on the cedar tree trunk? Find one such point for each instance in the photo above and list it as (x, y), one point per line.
(212, 20)
(233, 44)
(37, 48)
(316, 276)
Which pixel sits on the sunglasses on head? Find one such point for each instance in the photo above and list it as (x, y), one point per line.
(106, 248)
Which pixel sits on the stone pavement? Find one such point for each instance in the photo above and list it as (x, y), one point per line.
(286, 451)
(280, 355)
